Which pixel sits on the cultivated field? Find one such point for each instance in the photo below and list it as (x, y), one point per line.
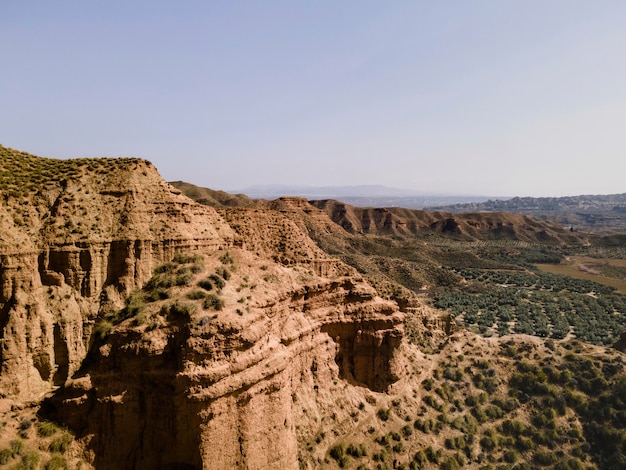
(610, 272)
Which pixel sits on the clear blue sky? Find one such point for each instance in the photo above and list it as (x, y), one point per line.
(501, 97)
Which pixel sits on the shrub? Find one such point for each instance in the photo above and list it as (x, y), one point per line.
(226, 258)
(5, 456)
(383, 414)
(217, 280)
(213, 302)
(57, 462)
(182, 309)
(356, 451)
(545, 457)
(17, 447)
(61, 443)
(30, 461)
(196, 295)
(183, 276)
(432, 455)
(134, 304)
(490, 440)
(450, 464)
(187, 258)
(102, 328)
(223, 273)
(46, 428)
(428, 384)
(338, 452)
(510, 456)
(206, 284)
(158, 293)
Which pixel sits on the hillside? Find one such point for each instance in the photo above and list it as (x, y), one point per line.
(595, 213)
(140, 329)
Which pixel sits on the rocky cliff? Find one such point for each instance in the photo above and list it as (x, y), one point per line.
(78, 236)
(177, 336)
(229, 384)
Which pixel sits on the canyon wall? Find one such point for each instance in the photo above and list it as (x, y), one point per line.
(226, 388)
(189, 388)
(77, 238)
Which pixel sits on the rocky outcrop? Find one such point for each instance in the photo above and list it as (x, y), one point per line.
(470, 226)
(78, 236)
(187, 384)
(226, 385)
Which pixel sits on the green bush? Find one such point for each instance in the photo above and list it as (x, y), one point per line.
(134, 304)
(17, 447)
(196, 295)
(206, 284)
(29, 461)
(213, 302)
(61, 443)
(157, 293)
(217, 281)
(356, 451)
(338, 452)
(226, 258)
(182, 309)
(223, 273)
(46, 428)
(545, 457)
(450, 464)
(57, 462)
(5, 456)
(383, 414)
(102, 328)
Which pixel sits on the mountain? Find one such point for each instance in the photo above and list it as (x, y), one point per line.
(361, 195)
(141, 329)
(278, 190)
(597, 213)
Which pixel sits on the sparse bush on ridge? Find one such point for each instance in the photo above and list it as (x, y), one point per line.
(61, 443)
(46, 428)
(5, 456)
(56, 462)
(196, 295)
(213, 302)
(206, 284)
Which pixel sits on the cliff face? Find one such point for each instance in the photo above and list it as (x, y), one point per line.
(227, 385)
(471, 226)
(77, 237)
(236, 376)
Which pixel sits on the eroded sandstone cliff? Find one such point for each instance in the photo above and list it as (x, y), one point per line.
(233, 375)
(78, 236)
(226, 384)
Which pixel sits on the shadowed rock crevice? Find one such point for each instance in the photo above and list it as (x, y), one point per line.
(61, 356)
(365, 352)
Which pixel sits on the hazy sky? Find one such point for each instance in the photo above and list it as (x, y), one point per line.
(499, 98)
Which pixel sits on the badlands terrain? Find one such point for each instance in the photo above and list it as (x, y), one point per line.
(148, 325)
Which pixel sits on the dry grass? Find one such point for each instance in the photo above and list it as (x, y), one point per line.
(571, 268)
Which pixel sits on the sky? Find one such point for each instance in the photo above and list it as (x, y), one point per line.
(482, 97)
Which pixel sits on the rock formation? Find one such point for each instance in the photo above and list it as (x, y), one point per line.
(188, 384)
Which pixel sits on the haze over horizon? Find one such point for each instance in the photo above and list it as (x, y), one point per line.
(517, 98)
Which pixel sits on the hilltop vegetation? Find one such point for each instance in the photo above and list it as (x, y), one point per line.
(513, 405)
(22, 174)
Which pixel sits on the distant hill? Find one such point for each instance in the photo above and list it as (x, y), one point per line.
(596, 213)
(211, 197)
(362, 195)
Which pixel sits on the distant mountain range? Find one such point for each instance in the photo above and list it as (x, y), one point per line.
(592, 212)
(362, 195)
